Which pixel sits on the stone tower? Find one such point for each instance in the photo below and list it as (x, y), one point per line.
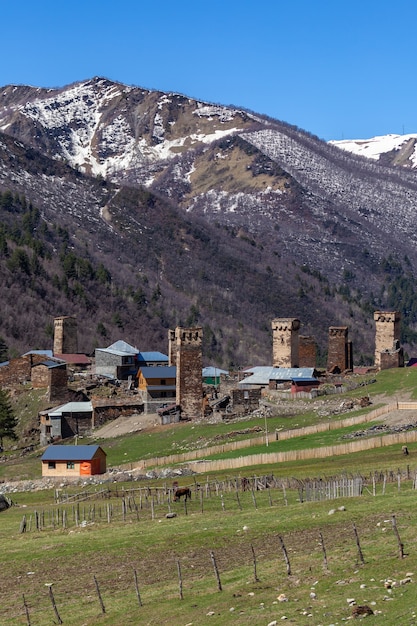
(387, 334)
(307, 351)
(189, 363)
(172, 348)
(340, 349)
(65, 335)
(285, 342)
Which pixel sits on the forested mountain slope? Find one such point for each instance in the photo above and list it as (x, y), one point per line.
(137, 210)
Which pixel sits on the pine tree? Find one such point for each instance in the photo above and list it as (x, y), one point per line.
(8, 421)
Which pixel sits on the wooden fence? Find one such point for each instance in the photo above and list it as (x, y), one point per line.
(302, 455)
(201, 453)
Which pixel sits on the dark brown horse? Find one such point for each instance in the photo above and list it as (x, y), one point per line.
(182, 491)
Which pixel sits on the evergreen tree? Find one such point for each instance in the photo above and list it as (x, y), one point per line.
(8, 421)
(4, 350)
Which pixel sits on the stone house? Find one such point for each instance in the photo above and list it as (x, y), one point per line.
(19, 370)
(67, 420)
(118, 361)
(73, 461)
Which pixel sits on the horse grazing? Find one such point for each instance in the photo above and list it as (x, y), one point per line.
(182, 491)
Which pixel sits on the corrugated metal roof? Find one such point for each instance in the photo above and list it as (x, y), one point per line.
(74, 358)
(263, 375)
(291, 373)
(70, 453)
(159, 371)
(152, 356)
(50, 364)
(257, 369)
(71, 407)
(122, 346)
(47, 353)
(213, 371)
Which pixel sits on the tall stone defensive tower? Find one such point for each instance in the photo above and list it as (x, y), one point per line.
(285, 342)
(307, 351)
(172, 348)
(189, 363)
(339, 349)
(387, 334)
(65, 335)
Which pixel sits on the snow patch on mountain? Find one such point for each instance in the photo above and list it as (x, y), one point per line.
(99, 127)
(375, 147)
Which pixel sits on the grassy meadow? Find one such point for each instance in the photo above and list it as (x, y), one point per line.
(313, 559)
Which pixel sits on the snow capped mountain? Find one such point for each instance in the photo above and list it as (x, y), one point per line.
(236, 217)
(388, 149)
(108, 129)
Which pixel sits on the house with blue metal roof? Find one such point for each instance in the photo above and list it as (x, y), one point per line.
(152, 359)
(157, 385)
(294, 378)
(118, 361)
(73, 461)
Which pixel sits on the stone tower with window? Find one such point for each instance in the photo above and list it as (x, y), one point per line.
(340, 349)
(65, 335)
(285, 340)
(189, 364)
(388, 352)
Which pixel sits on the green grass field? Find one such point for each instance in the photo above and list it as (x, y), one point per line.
(102, 546)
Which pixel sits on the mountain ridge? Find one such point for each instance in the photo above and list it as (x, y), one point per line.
(203, 214)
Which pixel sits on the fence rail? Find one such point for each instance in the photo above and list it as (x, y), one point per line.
(198, 455)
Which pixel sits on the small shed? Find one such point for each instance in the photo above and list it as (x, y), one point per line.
(211, 375)
(66, 420)
(305, 384)
(73, 461)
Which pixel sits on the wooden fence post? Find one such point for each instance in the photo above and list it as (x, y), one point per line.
(284, 550)
(51, 595)
(26, 610)
(216, 571)
(255, 574)
(324, 550)
(23, 525)
(400, 545)
(137, 588)
(358, 544)
(179, 579)
(103, 609)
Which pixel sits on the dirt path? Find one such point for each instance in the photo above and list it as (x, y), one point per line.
(124, 425)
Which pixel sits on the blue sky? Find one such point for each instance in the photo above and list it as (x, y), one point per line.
(339, 69)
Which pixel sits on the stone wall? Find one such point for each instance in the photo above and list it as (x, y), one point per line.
(391, 358)
(285, 342)
(172, 348)
(387, 333)
(105, 410)
(65, 335)
(19, 370)
(339, 352)
(189, 363)
(40, 376)
(307, 351)
(246, 398)
(58, 384)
